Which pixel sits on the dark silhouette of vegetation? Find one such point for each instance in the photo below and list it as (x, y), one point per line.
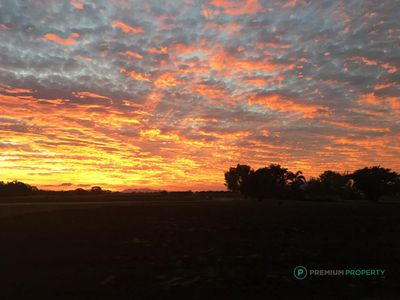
(332, 184)
(16, 188)
(375, 182)
(80, 191)
(269, 182)
(96, 190)
(279, 183)
(237, 179)
(297, 181)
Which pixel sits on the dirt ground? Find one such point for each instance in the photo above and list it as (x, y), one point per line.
(236, 249)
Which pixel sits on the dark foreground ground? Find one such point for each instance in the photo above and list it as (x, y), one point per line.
(199, 250)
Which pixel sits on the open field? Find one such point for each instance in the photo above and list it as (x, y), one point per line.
(196, 249)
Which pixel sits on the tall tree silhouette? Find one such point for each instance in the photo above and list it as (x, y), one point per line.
(237, 178)
(296, 181)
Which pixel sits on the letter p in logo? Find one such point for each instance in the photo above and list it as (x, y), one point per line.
(300, 272)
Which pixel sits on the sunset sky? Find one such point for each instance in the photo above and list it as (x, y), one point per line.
(169, 94)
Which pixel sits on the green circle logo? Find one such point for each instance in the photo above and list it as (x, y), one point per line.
(300, 272)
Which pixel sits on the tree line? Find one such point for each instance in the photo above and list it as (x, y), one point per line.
(277, 182)
(16, 188)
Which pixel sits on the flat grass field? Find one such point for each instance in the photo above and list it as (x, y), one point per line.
(210, 249)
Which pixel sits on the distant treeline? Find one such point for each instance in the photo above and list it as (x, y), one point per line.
(277, 182)
(272, 182)
(17, 188)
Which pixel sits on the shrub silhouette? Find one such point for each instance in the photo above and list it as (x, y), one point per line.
(16, 188)
(96, 190)
(375, 182)
(333, 184)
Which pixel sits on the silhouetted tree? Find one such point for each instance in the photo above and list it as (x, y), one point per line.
(375, 182)
(331, 183)
(237, 179)
(96, 189)
(296, 181)
(275, 181)
(16, 188)
(268, 182)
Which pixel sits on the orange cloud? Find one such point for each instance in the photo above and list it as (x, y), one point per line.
(369, 99)
(137, 76)
(365, 60)
(89, 95)
(394, 102)
(205, 12)
(162, 50)
(256, 81)
(275, 102)
(220, 60)
(272, 81)
(152, 101)
(182, 49)
(11, 90)
(155, 134)
(211, 92)
(77, 4)
(291, 4)
(126, 28)
(133, 54)
(166, 80)
(391, 69)
(4, 27)
(383, 86)
(348, 125)
(238, 7)
(56, 39)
